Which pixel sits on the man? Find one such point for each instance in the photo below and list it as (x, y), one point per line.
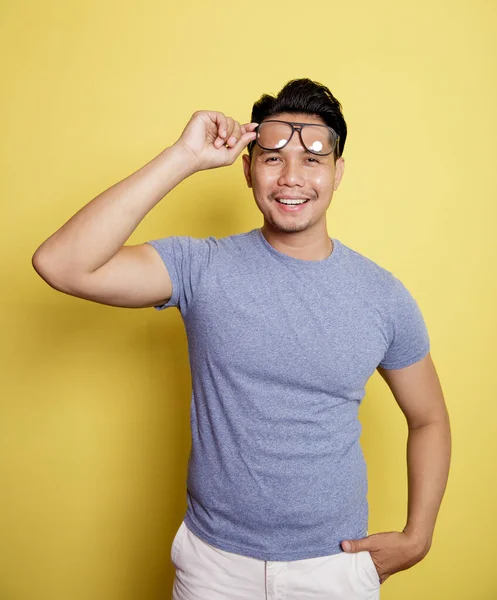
(285, 326)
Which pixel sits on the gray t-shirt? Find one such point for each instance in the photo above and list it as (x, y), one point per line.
(280, 352)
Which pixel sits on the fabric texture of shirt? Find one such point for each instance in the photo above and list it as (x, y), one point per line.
(280, 352)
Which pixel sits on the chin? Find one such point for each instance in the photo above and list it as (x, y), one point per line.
(290, 227)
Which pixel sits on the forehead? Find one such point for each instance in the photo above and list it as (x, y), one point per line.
(297, 118)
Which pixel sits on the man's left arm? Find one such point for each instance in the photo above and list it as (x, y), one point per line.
(418, 392)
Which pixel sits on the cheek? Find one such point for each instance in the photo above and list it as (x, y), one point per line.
(325, 181)
(325, 177)
(264, 180)
(321, 182)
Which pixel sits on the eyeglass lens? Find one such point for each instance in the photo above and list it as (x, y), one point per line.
(273, 135)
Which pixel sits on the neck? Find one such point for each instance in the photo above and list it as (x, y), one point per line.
(306, 245)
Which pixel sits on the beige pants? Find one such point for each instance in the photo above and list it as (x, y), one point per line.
(204, 572)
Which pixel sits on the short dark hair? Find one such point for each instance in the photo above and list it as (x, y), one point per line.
(303, 96)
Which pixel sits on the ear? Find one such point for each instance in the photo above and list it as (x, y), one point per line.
(339, 168)
(246, 169)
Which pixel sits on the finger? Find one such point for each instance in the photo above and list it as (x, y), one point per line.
(230, 128)
(355, 545)
(235, 135)
(241, 144)
(250, 126)
(222, 127)
(222, 122)
(218, 119)
(222, 139)
(249, 131)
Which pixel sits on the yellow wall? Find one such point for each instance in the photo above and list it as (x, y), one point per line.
(94, 423)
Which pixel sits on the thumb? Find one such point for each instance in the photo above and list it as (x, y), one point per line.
(242, 143)
(355, 545)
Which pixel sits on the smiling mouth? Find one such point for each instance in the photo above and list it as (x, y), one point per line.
(291, 202)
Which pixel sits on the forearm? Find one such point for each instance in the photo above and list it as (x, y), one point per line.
(428, 460)
(95, 233)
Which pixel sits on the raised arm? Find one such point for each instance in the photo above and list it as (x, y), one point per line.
(87, 257)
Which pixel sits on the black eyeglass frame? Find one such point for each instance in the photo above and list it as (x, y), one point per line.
(296, 127)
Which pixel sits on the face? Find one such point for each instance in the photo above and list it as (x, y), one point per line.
(293, 172)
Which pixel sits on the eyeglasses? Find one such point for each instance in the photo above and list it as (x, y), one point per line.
(317, 139)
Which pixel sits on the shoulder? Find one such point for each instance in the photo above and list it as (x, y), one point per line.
(398, 300)
(368, 272)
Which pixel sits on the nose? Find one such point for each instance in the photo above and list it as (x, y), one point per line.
(291, 174)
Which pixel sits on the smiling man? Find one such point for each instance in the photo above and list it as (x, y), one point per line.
(293, 172)
(285, 326)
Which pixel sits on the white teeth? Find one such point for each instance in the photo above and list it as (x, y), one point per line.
(288, 201)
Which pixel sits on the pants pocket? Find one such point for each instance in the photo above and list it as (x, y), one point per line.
(370, 568)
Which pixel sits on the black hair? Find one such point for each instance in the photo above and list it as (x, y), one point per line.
(303, 96)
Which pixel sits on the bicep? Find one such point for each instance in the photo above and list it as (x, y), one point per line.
(135, 277)
(418, 391)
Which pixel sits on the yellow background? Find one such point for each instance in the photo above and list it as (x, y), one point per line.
(94, 423)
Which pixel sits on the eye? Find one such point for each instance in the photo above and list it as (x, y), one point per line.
(313, 159)
(271, 158)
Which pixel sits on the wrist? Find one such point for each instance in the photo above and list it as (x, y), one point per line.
(185, 158)
(179, 161)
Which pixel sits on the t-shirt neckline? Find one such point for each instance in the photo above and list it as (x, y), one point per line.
(300, 262)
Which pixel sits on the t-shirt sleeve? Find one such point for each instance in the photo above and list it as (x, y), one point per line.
(186, 260)
(409, 340)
